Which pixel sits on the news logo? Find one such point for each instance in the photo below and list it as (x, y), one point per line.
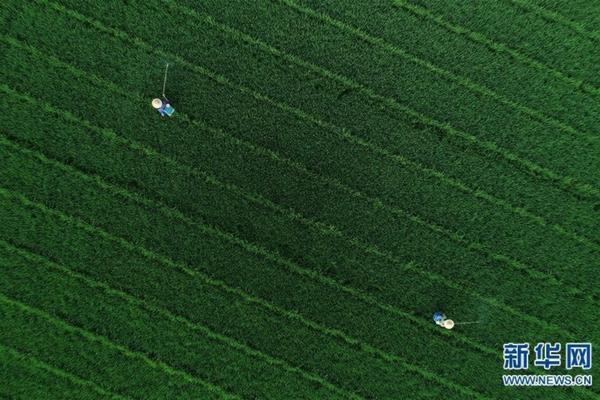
(547, 356)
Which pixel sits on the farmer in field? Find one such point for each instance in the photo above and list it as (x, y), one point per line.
(440, 319)
(163, 106)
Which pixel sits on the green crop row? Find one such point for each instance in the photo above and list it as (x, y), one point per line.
(318, 302)
(583, 16)
(182, 345)
(455, 51)
(425, 91)
(210, 157)
(187, 295)
(192, 186)
(391, 182)
(257, 247)
(25, 377)
(192, 202)
(407, 302)
(277, 86)
(554, 44)
(85, 356)
(551, 261)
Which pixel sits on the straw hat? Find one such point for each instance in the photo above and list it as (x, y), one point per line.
(448, 324)
(156, 103)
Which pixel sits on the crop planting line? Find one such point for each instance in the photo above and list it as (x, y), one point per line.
(565, 183)
(328, 229)
(558, 18)
(137, 302)
(94, 230)
(450, 181)
(277, 157)
(289, 213)
(448, 75)
(455, 183)
(93, 337)
(93, 283)
(331, 181)
(440, 280)
(377, 203)
(480, 38)
(174, 213)
(255, 249)
(35, 362)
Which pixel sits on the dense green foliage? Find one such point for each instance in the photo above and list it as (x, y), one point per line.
(334, 173)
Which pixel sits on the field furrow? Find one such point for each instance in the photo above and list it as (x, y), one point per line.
(444, 210)
(464, 52)
(527, 33)
(345, 261)
(418, 220)
(259, 328)
(26, 377)
(200, 191)
(581, 15)
(32, 331)
(464, 136)
(190, 346)
(334, 173)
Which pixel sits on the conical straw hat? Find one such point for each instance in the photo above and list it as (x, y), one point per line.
(448, 324)
(156, 103)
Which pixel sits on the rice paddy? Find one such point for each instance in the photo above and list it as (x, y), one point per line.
(334, 173)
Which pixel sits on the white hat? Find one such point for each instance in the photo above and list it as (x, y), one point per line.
(448, 324)
(156, 103)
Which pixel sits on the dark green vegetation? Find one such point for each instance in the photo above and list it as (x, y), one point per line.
(334, 173)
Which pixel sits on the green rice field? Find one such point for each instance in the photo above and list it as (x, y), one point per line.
(335, 172)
